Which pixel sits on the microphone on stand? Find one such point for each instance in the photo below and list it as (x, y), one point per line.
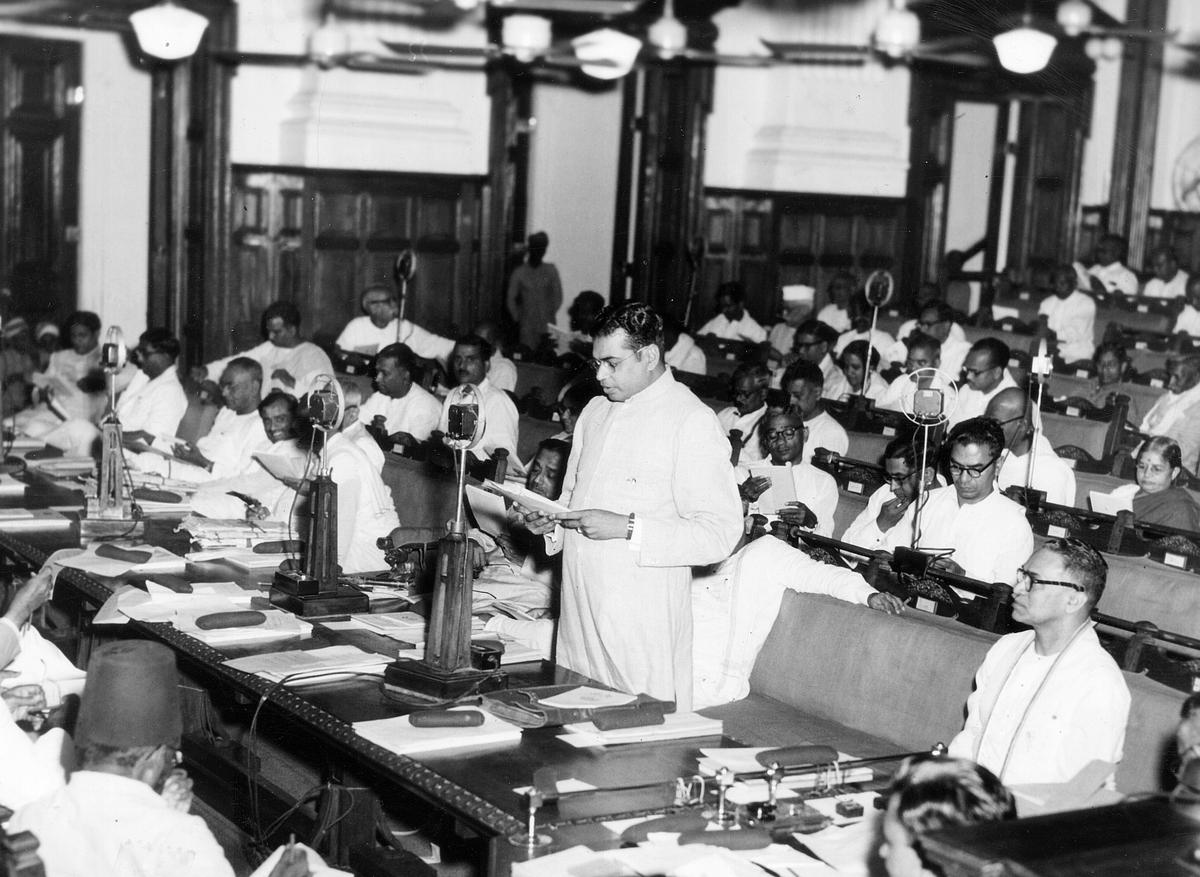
(403, 270)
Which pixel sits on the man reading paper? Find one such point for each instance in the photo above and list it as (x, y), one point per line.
(651, 494)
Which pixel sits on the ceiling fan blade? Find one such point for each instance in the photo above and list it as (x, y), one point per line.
(603, 8)
(956, 59)
(365, 62)
(805, 51)
(261, 59)
(28, 7)
(415, 52)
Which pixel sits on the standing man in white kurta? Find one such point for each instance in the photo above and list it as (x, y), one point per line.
(651, 494)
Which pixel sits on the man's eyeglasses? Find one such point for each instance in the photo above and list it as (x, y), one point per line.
(957, 469)
(610, 363)
(899, 479)
(1010, 420)
(787, 434)
(1025, 577)
(972, 372)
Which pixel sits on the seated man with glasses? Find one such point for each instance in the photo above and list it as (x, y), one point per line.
(1014, 412)
(902, 461)
(923, 352)
(1048, 700)
(937, 320)
(805, 384)
(986, 373)
(749, 389)
(814, 342)
(784, 436)
(984, 533)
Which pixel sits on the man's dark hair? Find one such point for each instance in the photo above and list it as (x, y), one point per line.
(578, 393)
(978, 431)
(485, 348)
(820, 330)
(733, 289)
(87, 319)
(1085, 562)
(275, 397)
(945, 313)
(161, 340)
(925, 342)
(759, 373)
(907, 449)
(997, 351)
(401, 354)
(1190, 705)
(246, 365)
(285, 310)
(380, 287)
(859, 348)
(556, 445)
(802, 370)
(639, 321)
(931, 793)
(1116, 348)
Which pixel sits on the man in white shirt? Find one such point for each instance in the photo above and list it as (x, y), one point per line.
(814, 343)
(938, 320)
(1109, 274)
(986, 371)
(409, 411)
(985, 532)
(1012, 409)
(683, 354)
(805, 385)
(836, 314)
(816, 491)
(470, 363)
(1169, 280)
(733, 322)
(382, 326)
(1188, 321)
(236, 433)
(1071, 315)
(154, 402)
(749, 387)
(735, 604)
(797, 307)
(924, 352)
(1177, 412)
(503, 371)
(1050, 700)
(289, 363)
(905, 467)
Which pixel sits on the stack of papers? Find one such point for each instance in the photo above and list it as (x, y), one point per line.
(215, 533)
(160, 560)
(526, 498)
(675, 726)
(399, 736)
(242, 558)
(408, 627)
(323, 665)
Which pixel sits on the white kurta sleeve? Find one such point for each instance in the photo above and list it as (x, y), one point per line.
(708, 519)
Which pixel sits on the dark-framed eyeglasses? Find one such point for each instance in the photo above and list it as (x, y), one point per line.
(1025, 577)
(957, 469)
(899, 479)
(612, 364)
(787, 433)
(972, 372)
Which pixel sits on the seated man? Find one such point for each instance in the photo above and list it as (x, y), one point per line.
(928, 294)
(797, 307)
(125, 811)
(841, 289)
(732, 321)
(289, 363)
(902, 461)
(1048, 700)
(1188, 321)
(382, 326)
(683, 355)
(1012, 409)
(1177, 412)
(735, 604)
(1108, 274)
(518, 569)
(1071, 315)
(470, 363)
(72, 382)
(924, 352)
(813, 342)
(983, 532)
(805, 385)
(236, 433)
(929, 793)
(816, 491)
(582, 316)
(503, 371)
(937, 320)
(1169, 280)
(986, 372)
(749, 389)
(409, 412)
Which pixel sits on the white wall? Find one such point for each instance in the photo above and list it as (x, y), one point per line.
(573, 183)
(970, 176)
(1096, 175)
(114, 196)
(1178, 109)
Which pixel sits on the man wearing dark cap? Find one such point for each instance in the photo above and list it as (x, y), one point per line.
(124, 811)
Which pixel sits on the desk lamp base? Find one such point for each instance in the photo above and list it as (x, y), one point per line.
(303, 596)
(419, 678)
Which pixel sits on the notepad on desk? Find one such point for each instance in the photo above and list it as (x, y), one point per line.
(313, 665)
(1107, 504)
(398, 735)
(675, 726)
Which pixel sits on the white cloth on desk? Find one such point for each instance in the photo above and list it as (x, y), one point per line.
(501, 422)
(836, 318)
(815, 488)
(1178, 416)
(417, 412)
(1115, 278)
(1073, 320)
(626, 616)
(1050, 472)
(745, 329)
(229, 444)
(304, 363)
(502, 372)
(363, 336)
(1176, 287)
(973, 403)
(109, 825)
(1188, 321)
(735, 604)
(1077, 716)
(366, 510)
(750, 427)
(686, 356)
(824, 432)
(989, 538)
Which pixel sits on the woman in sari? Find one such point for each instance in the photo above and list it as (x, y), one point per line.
(1158, 499)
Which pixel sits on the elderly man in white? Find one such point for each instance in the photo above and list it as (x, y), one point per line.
(1071, 315)
(1012, 409)
(381, 325)
(1177, 413)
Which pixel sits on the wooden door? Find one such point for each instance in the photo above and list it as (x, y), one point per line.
(40, 94)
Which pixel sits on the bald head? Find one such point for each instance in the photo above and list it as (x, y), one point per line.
(1010, 408)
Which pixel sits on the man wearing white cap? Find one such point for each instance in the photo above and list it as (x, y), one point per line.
(797, 307)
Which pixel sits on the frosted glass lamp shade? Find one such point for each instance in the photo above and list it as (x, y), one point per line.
(1024, 49)
(168, 31)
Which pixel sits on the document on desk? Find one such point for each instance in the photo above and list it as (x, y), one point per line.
(160, 560)
(1107, 504)
(675, 726)
(398, 735)
(313, 665)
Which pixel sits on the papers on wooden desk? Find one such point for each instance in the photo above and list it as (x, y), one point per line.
(663, 855)
(215, 533)
(160, 560)
(1107, 504)
(314, 665)
(408, 627)
(242, 558)
(399, 736)
(675, 726)
(782, 489)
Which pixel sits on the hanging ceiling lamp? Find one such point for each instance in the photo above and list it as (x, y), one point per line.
(1024, 49)
(168, 31)
(898, 31)
(668, 35)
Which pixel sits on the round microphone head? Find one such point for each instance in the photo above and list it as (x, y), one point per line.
(405, 266)
(879, 288)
